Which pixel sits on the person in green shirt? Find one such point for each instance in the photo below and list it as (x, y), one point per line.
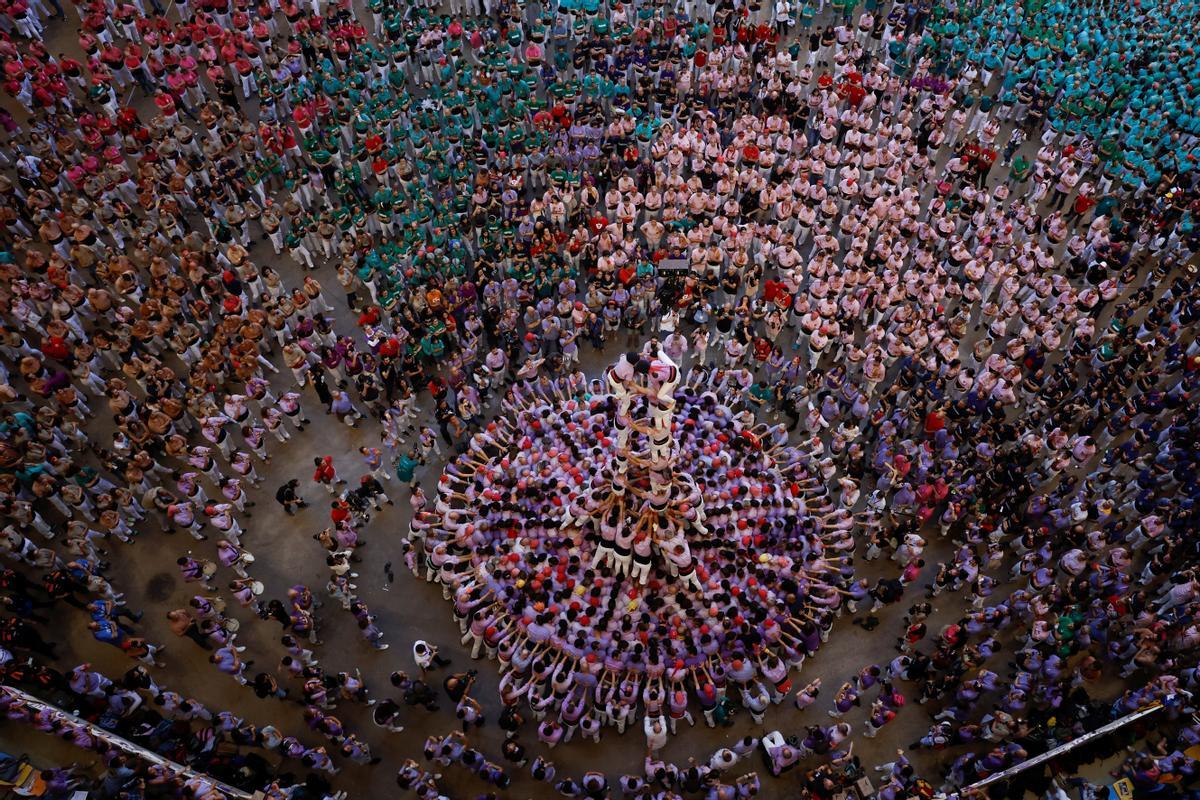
(406, 468)
(432, 347)
(1019, 171)
(761, 394)
(723, 713)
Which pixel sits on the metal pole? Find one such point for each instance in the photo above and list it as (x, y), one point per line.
(129, 747)
(1071, 745)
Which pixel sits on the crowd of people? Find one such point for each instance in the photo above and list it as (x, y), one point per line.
(210, 749)
(602, 591)
(951, 242)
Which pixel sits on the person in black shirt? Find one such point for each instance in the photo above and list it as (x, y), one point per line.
(458, 684)
(287, 497)
(61, 585)
(444, 415)
(418, 693)
(514, 751)
(510, 720)
(274, 609)
(317, 375)
(17, 633)
(369, 490)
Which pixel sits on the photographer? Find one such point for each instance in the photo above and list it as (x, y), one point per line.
(458, 684)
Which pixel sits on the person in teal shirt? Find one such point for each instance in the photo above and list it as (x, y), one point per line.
(761, 394)
(406, 468)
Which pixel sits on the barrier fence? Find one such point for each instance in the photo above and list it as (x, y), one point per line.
(1090, 736)
(137, 751)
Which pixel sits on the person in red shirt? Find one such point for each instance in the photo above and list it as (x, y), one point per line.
(112, 58)
(42, 97)
(1082, 205)
(761, 349)
(125, 16)
(166, 105)
(72, 70)
(245, 71)
(777, 292)
(852, 92)
(339, 512)
(389, 347)
(984, 159)
(369, 317)
(56, 347)
(325, 474)
(598, 223)
(302, 117)
(971, 151)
